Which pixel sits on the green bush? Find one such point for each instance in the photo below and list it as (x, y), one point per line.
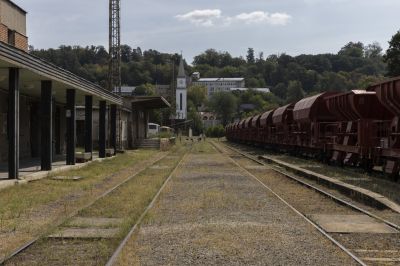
(165, 135)
(215, 132)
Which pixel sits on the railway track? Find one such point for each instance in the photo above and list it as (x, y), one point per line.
(364, 248)
(12, 259)
(113, 259)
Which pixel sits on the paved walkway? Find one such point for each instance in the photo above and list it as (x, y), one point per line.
(212, 213)
(32, 165)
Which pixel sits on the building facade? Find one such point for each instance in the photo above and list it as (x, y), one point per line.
(38, 103)
(13, 25)
(214, 85)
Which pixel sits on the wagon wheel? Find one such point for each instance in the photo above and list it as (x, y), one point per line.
(394, 176)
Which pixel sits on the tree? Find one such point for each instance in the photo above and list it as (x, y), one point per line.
(145, 90)
(280, 90)
(250, 56)
(126, 53)
(294, 91)
(197, 95)
(197, 123)
(392, 57)
(373, 50)
(224, 104)
(353, 49)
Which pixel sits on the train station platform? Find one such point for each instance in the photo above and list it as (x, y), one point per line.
(30, 169)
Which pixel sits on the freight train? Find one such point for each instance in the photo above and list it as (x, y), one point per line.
(358, 128)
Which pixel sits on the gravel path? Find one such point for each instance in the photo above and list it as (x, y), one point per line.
(212, 213)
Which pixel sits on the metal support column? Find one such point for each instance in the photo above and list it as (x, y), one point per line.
(46, 121)
(89, 123)
(13, 124)
(113, 135)
(102, 128)
(71, 126)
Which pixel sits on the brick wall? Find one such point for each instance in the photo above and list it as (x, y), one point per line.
(3, 33)
(21, 42)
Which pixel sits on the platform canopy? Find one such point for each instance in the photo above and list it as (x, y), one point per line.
(33, 70)
(147, 102)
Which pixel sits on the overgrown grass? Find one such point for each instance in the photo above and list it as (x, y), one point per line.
(355, 176)
(127, 202)
(204, 147)
(28, 210)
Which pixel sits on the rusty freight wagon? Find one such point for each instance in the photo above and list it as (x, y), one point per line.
(361, 127)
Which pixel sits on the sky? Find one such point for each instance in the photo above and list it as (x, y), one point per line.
(191, 26)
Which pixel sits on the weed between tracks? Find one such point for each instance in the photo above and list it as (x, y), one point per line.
(127, 203)
(29, 210)
(375, 182)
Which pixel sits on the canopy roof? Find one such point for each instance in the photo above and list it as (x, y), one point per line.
(33, 70)
(148, 102)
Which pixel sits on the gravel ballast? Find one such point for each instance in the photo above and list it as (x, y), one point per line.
(213, 213)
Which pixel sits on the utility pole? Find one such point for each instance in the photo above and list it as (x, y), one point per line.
(114, 73)
(114, 67)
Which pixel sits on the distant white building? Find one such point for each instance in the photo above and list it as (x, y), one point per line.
(264, 90)
(209, 119)
(214, 85)
(125, 90)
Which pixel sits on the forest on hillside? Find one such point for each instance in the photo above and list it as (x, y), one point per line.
(354, 66)
(290, 78)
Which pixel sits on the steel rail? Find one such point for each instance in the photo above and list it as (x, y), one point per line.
(113, 259)
(76, 212)
(319, 190)
(322, 231)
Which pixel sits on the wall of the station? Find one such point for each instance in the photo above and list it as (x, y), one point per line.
(30, 131)
(140, 119)
(122, 126)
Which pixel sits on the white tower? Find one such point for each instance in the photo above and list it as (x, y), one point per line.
(181, 93)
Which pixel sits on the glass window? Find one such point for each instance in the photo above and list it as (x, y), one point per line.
(11, 37)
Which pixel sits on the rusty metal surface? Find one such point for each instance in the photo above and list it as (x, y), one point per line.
(313, 109)
(247, 122)
(283, 114)
(357, 104)
(266, 118)
(388, 93)
(241, 124)
(256, 121)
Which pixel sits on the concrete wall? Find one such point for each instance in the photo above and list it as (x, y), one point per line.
(122, 129)
(30, 131)
(122, 126)
(3, 127)
(140, 118)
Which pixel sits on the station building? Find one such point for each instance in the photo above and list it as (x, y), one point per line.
(38, 106)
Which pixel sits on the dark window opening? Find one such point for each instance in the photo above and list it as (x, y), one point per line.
(11, 37)
(180, 101)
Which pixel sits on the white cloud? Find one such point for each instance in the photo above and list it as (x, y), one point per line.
(264, 17)
(205, 17)
(214, 17)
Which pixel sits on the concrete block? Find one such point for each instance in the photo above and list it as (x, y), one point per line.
(86, 233)
(351, 224)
